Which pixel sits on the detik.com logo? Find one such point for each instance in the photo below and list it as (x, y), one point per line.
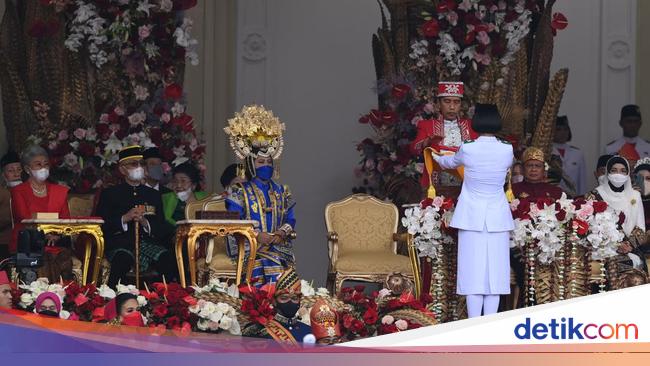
(568, 328)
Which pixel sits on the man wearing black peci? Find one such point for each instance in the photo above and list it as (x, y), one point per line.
(124, 204)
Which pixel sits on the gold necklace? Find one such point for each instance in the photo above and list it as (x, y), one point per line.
(39, 192)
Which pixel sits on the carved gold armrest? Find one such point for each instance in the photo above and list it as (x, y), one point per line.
(333, 246)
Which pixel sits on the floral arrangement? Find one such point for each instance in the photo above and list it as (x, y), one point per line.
(372, 315)
(213, 317)
(361, 321)
(547, 224)
(137, 48)
(428, 223)
(257, 303)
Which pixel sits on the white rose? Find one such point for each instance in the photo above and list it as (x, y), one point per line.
(401, 324)
(224, 308)
(142, 301)
(26, 299)
(225, 323)
(106, 292)
(64, 314)
(322, 291)
(216, 316)
(387, 320)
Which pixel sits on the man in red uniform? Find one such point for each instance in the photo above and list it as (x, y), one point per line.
(534, 185)
(445, 133)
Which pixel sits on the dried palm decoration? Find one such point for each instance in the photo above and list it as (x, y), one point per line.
(545, 129)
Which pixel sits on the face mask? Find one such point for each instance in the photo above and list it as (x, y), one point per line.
(41, 174)
(13, 183)
(288, 309)
(50, 313)
(133, 319)
(184, 195)
(136, 174)
(264, 172)
(517, 178)
(617, 180)
(155, 172)
(646, 187)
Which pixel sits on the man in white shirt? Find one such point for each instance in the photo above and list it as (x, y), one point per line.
(630, 142)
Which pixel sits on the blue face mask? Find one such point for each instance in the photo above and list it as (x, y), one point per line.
(264, 172)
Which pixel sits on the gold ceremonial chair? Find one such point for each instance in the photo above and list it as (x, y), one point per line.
(361, 242)
(220, 265)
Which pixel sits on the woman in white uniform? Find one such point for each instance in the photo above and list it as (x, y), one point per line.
(482, 215)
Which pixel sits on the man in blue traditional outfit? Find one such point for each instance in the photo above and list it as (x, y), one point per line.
(256, 137)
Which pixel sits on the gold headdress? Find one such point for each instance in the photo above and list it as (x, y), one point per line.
(255, 131)
(533, 153)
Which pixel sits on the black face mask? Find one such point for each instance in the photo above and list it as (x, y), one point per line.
(288, 309)
(50, 313)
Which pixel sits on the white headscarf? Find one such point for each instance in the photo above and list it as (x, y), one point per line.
(628, 201)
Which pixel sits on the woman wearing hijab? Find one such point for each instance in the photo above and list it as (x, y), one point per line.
(48, 304)
(615, 188)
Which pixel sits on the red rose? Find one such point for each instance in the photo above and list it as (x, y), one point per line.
(427, 202)
(430, 28)
(359, 288)
(447, 204)
(102, 129)
(446, 5)
(370, 317)
(189, 300)
(580, 227)
(364, 119)
(621, 218)
(184, 122)
(561, 215)
(346, 290)
(357, 325)
(155, 134)
(159, 311)
(173, 92)
(399, 91)
(86, 150)
(469, 38)
(578, 202)
(559, 21)
(599, 206)
(347, 321)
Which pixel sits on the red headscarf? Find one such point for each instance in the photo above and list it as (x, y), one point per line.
(48, 295)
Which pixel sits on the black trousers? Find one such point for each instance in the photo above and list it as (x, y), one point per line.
(122, 263)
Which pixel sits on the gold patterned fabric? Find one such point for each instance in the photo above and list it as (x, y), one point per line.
(363, 262)
(361, 240)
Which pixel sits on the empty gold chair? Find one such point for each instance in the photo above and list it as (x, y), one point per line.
(361, 242)
(217, 263)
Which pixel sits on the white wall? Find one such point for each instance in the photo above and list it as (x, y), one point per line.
(598, 47)
(316, 75)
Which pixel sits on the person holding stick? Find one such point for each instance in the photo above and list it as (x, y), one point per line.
(133, 214)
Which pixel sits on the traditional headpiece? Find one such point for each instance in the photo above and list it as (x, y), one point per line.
(255, 131)
(533, 153)
(324, 322)
(288, 282)
(450, 89)
(9, 158)
(48, 295)
(130, 152)
(630, 110)
(151, 152)
(642, 164)
(4, 279)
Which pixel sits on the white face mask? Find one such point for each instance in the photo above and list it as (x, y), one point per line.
(646, 189)
(41, 175)
(517, 178)
(13, 183)
(184, 195)
(136, 174)
(617, 180)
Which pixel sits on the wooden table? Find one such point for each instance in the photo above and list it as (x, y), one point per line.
(190, 230)
(68, 227)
